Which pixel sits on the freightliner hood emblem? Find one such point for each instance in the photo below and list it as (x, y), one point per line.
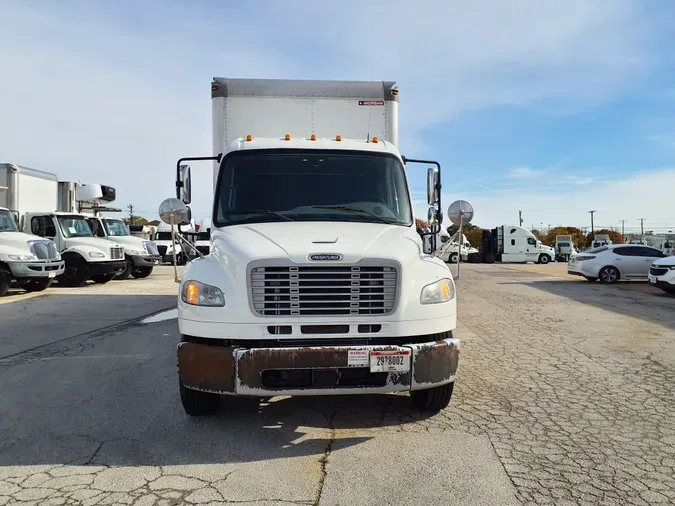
(325, 256)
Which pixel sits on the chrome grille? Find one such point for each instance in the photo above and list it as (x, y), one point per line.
(152, 248)
(44, 250)
(323, 290)
(116, 253)
(162, 250)
(658, 271)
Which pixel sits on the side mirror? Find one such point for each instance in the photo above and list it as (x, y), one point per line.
(173, 211)
(432, 186)
(184, 184)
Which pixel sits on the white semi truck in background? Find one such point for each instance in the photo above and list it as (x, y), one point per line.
(514, 244)
(317, 282)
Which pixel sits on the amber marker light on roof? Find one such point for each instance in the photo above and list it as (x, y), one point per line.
(376, 140)
(288, 137)
(338, 138)
(312, 137)
(249, 138)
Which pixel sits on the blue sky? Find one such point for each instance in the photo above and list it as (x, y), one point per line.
(552, 108)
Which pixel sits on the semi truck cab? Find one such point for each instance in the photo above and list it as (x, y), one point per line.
(86, 257)
(31, 261)
(141, 256)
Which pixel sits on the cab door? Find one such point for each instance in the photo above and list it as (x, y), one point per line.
(531, 250)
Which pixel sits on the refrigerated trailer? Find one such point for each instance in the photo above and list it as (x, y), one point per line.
(317, 282)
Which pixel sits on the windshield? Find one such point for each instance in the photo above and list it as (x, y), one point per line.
(319, 185)
(7, 223)
(74, 226)
(163, 236)
(116, 228)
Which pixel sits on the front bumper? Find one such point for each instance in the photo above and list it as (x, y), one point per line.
(659, 282)
(37, 269)
(146, 260)
(112, 267)
(313, 370)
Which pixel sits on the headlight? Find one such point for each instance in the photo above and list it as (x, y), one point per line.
(96, 254)
(200, 294)
(442, 290)
(136, 252)
(23, 258)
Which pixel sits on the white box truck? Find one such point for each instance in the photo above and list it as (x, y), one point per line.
(316, 283)
(564, 248)
(30, 261)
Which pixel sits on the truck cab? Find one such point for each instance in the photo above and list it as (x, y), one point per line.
(141, 256)
(166, 246)
(86, 257)
(30, 261)
(564, 248)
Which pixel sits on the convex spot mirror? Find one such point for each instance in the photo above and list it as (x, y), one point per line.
(174, 212)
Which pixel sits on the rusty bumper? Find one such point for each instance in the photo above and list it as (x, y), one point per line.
(311, 370)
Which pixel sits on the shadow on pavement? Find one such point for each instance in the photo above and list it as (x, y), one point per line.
(113, 400)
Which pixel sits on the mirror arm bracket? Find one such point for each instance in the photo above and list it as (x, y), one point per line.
(436, 229)
(179, 183)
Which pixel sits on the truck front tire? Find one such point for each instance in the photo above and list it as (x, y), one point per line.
(76, 273)
(544, 259)
(37, 285)
(197, 403)
(453, 258)
(433, 399)
(102, 279)
(127, 270)
(5, 280)
(141, 272)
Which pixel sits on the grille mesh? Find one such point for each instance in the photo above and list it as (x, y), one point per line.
(658, 271)
(323, 290)
(44, 250)
(152, 248)
(162, 250)
(116, 253)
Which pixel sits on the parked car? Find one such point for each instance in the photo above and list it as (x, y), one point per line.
(614, 262)
(662, 274)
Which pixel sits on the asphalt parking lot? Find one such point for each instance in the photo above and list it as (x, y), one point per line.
(564, 396)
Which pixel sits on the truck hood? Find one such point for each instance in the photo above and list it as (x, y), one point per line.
(14, 243)
(128, 241)
(92, 242)
(297, 240)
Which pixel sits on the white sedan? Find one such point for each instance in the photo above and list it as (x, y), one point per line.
(662, 274)
(614, 262)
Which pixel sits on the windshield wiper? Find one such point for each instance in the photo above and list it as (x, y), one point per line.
(355, 209)
(267, 212)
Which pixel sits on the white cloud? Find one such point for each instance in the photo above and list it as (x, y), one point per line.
(523, 172)
(103, 95)
(646, 195)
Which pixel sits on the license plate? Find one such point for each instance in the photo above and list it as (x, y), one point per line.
(51, 275)
(156, 262)
(654, 280)
(384, 361)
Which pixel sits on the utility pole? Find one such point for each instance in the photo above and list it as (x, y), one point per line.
(592, 227)
(131, 213)
(623, 224)
(520, 217)
(642, 226)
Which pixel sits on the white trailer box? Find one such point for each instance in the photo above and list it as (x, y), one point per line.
(27, 189)
(317, 283)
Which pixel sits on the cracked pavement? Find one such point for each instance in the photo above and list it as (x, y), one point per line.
(564, 396)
